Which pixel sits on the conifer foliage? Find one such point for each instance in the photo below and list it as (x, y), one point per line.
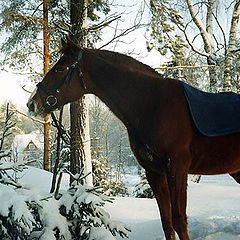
(76, 213)
(143, 189)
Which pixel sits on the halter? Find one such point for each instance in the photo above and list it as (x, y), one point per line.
(51, 100)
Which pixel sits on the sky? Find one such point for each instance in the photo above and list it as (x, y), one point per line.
(135, 42)
(11, 89)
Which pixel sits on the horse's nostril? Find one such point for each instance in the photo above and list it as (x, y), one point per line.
(31, 106)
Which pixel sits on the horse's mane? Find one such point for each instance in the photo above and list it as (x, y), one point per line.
(113, 58)
(124, 60)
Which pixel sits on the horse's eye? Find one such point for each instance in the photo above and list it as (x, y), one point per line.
(60, 68)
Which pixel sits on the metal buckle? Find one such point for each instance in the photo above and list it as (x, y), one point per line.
(51, 100)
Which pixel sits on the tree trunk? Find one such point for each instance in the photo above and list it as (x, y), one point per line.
(77, 143)
(232, 43)
(46, 61)
(80, 140)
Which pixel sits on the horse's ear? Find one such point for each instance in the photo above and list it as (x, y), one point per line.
(69, 47)
(71, 43)
(72, 46)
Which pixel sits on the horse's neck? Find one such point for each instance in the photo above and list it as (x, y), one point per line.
(126, 93)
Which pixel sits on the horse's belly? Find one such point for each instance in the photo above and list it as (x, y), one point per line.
(215, 155)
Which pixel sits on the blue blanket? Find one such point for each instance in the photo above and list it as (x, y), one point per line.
(214, 114)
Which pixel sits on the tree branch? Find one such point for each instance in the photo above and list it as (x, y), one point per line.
(103, 24)
(137, 24)
(25, 115)
(123, 33)
(190, 43)
(223, 33)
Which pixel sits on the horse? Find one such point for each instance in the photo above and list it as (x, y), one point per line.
(161, 131)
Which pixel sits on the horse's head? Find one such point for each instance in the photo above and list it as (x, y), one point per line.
(64, 83)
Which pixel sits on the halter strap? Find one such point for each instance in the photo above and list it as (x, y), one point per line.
(51, 100)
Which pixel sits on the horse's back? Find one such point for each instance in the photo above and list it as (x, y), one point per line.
(215, 145)
(209, 155)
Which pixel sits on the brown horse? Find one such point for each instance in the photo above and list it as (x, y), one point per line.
(161, 131)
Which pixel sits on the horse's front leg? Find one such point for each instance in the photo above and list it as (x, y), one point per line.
(159, 185)
(177, 181)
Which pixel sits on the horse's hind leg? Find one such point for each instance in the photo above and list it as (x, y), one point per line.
(159, 185)
(236, 176)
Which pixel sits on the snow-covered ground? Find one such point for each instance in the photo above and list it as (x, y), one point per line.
(213, 208)
(213, 212)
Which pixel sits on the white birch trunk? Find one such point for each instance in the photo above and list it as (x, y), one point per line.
(231, 47)
(206, 37)
(206, 32)
(87, 139)
(87, 147)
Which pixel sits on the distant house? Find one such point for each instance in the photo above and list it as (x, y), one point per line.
(31, 147)
(28, 147)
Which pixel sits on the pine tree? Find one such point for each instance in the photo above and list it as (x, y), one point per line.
(143, 189)
(16, 121)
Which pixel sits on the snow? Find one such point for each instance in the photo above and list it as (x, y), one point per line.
(53, 219)
(213, 209)
(39, 180)
(100, 234)
(213, 212)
